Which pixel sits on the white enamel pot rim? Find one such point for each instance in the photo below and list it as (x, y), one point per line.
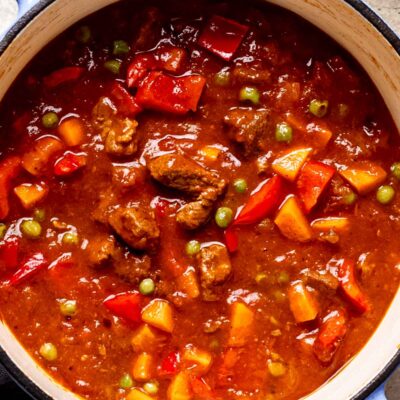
(353, 25)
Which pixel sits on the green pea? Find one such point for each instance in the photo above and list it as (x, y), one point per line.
(385, 194)
(50, 120)
(113, 66)
(343, 110)
(249, 93)
(31, 229)
(283, 277)
(70, 238)
(222, 78)
(147, 286)
(151, 387)
(283, 132)
(39, 214)
(68, 308)
(223, 217)
(48, 351)
(3, 230)
(319, 108)
(192, 247)
(349, 198)
(395, 169)
(279, 295)
(240, 185)
(120, 47)
(261, 277)
(214, 344)
(83, 34)
(126, 381)
(276, 369)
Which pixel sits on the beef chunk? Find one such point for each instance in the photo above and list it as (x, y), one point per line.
(132, 268)
(136, 225)
(248, 127)
(149, 29)
(215, 268)
(101, 250)
(119, 133)
(179, 172)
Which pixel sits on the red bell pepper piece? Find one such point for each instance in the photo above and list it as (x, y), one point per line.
(29, 268)
(69, 163)
(262, 202)
(9, 251)
(170, 364)
(201, 389)
(350, 287)
(313, 179)
(231, 240)
(63, 75)
(125, 102)
(330, 335)
(127, 306)
(162, 92)
(222, 36)
(9, 169)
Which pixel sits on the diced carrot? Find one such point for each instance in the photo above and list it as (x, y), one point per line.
(210, 153)
(290, 164)
(159, 313)
(179, 388)
(302, 303)
(9, 169)
(146, 338)
(336, 224)
(314, 177)
(30, 193)
(242, 324)
(197, 360)
(188, 283)
(35, 160)
(143, 367)
(364, 177)
(291, 221)
(138, 394)
(72, 131)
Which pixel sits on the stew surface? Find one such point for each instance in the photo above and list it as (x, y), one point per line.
(197, 202)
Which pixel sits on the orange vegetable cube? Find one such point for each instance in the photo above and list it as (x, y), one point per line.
(179, 388)
(200, 358)
(336, 224)
(242, 319)
(146, 338)
(188, 283)
(30, 194)
(143, 367)
(364, 177)
(159, 313)
(302, 303)
(138, 394)
(72, 131)
(292, 222)
(290, 164)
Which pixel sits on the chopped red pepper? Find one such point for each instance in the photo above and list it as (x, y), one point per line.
(350, 287)
(62, 75)
(330, 335)
(125, 102)
(262, 202)
(162, 92)
(9, 251)
(201, 389)
(231, 240)
(69, 163)
(29, 268)
(9, 169)
(169, 59)
(127, 306)
(222, 36)
(170, 364)
(312, 181)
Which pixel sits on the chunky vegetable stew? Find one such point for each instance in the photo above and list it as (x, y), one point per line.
(196, 202)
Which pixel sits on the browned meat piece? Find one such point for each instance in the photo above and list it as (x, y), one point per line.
(119, 134)
(149, 29)
(248, 127)
(101, 250)
(322, 277)
(215, 268)
(252, 75)
(136, 225)
(127, 177)
(132, 268)
(178, 172)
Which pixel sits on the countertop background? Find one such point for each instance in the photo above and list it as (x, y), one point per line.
(388, 9)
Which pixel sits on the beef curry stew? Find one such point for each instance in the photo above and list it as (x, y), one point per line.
(196, 203)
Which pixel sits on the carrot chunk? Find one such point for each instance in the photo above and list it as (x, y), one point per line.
(143, 367)
(242, 319)
(302, 303)
(291, 221)
(9, 169)
(179, 388)
(30, 194)
(197, 360)
(72, 131)
(159, 313)
(146, 338)
(289, 165)
(188, 283)
(336, 224)
(138, 394)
